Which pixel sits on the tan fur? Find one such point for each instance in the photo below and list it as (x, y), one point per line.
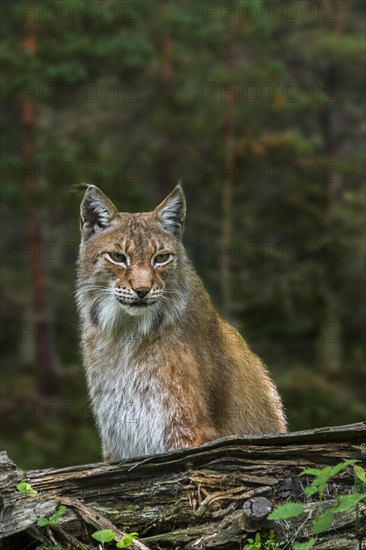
(171, 373)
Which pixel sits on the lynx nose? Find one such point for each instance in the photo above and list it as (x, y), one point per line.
(141, 291)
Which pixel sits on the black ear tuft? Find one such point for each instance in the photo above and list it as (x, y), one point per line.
(78, 187)
(171, 212)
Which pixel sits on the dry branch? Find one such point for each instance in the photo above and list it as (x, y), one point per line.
(205, 497)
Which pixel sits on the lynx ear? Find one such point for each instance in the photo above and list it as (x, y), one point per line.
(96, 210)
(171, 212)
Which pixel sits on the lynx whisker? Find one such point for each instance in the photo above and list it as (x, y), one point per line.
(89, 288)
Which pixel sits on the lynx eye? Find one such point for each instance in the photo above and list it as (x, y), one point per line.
(117, 258)
(161, 259)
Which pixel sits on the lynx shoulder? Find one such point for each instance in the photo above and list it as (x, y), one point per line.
(163, 369)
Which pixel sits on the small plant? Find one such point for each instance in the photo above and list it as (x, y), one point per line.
(321, 478)
(126, 541)
(263, 541)
(54, 519)
(24, 487)
(254, 544)
(103, 536)
(323, 520)
(107, 535)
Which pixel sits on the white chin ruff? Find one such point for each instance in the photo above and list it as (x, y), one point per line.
(138, 311)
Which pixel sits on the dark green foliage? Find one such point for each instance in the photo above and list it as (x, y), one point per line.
(263, 541)
(323, 517)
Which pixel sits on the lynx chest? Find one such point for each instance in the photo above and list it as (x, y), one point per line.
(128, 402)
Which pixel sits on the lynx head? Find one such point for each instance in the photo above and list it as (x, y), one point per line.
(129, 263)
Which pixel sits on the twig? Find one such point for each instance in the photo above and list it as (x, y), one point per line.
(75, 543)
(97, 520)
(290, 542)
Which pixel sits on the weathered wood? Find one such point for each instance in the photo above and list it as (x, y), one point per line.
(189, 498)
(255, 512)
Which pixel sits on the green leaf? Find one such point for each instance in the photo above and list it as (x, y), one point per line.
(310, 472)
(54, 519)
(328, 472)
(59, 512)
(25, 487)
(126, 541)
(304, 545)
(333, 470)
(104, 535)
(289, 510)
(360, 473)
(323, 522)
(311, 490)
(360, 479)
(42, 522)
(346, 502)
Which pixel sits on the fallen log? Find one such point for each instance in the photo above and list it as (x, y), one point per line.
(212, 496)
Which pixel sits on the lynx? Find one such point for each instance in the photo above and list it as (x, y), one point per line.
(164, 371)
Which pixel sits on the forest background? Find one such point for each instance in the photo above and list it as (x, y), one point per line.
(259, 106)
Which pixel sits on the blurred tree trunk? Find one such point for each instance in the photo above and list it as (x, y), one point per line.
(330, 343)
(48, 379)
(164, 168)
(227, 192)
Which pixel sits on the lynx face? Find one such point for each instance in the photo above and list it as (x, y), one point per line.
(129, 262)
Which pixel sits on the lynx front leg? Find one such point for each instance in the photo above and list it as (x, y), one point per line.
(203, 435)
(189, 424)
(108, 455)
(188, 421)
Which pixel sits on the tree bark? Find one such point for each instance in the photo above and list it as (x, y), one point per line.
(212, 496)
